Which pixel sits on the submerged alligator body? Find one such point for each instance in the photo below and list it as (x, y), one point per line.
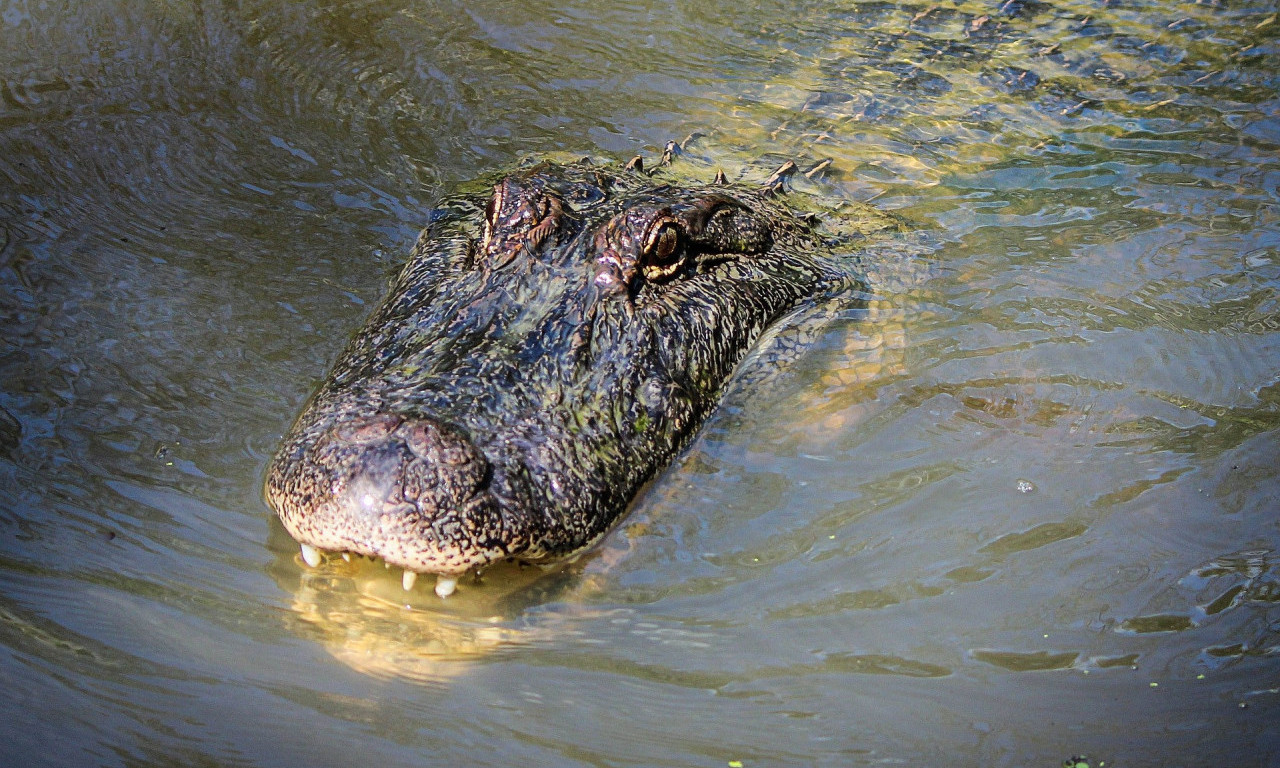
(543, 354)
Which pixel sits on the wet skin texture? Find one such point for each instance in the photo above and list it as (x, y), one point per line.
(543, 354)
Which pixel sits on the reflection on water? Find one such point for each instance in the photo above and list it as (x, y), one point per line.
(1018, 504)
(370, 623)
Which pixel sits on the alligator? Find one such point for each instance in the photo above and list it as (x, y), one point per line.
(553, 342)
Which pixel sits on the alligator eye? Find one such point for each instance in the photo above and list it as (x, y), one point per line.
(662, 243)
(662, 252)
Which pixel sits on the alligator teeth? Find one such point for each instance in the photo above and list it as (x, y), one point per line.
(408, 580)
(445, 585)
(310, 555)
(346, 556)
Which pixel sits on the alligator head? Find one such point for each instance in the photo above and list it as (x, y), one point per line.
(544, 353)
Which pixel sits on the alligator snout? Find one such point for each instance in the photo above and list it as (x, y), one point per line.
(412, 490)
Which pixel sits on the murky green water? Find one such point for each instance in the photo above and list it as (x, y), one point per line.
(1024, 506)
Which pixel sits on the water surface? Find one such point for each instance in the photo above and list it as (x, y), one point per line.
(1019, 503)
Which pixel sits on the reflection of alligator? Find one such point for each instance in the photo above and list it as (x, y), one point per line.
(541, 356)
(368, 623)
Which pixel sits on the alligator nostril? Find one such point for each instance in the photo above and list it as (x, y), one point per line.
(421, 436)
(367, 429)
(456, 455)
(439, 443)
(445, 468)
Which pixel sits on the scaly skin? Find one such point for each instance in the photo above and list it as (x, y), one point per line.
(539, 358)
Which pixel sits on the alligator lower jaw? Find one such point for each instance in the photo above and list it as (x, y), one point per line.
(447, 577)
(445, 583)
(416, 552)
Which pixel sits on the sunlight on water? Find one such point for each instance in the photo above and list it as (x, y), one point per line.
(1016, 503)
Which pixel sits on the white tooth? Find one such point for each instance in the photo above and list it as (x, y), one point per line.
(445, 585)
(408, 580)
(346, 556)
(310, 555)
